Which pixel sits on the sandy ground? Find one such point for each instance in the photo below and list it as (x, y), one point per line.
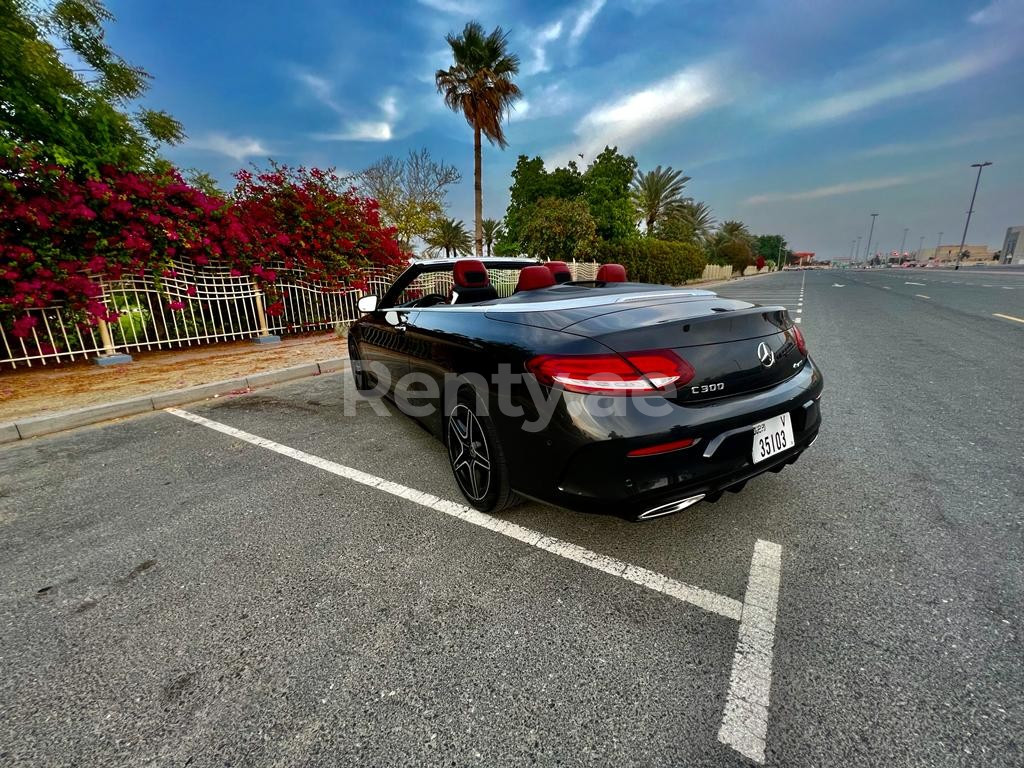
(47, 389)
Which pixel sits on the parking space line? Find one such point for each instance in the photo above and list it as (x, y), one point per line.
(712, 602)
(922, 296)
(745, 722)
(1008, 317)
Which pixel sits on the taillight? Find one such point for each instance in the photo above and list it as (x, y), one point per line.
(801, 343)
(612, 374)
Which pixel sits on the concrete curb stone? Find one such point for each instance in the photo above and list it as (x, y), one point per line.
(36, 426)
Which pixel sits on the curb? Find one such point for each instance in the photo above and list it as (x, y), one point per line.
(36, 426)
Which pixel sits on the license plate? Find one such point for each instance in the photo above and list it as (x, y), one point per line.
(771, 437)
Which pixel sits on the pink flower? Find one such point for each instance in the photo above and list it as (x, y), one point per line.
(176, 305)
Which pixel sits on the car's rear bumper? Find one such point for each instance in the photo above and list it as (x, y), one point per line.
(596, 475)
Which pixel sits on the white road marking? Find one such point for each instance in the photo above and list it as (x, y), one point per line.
(838, 285)
(1009, 317)
(745, 721)
(799, 311)
(908, 283)
(799, 319)
(745, 717)
(709, 601)
(1007, 287)
(922, 296)
(887, 287)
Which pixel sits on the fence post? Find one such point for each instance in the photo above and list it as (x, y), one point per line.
(109, 355)
(265, 337)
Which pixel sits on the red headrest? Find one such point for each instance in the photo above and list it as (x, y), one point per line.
(531, 278)
(611, 273)
(470, 273)
(560, 271)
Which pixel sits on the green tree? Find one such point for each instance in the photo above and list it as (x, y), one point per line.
(204, 182)
(736, 230)
(78, 117)
(450, 237)
(492, 231)
(606, 188)
(658, 194)
(772, 248)
(699, 218)
(411, 192)
(480, 86)
(737, 253)
(559, 229)
(531, 182)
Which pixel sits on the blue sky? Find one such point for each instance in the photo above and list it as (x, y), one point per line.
(798, 117)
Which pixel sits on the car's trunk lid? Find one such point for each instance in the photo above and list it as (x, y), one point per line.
(732, 350)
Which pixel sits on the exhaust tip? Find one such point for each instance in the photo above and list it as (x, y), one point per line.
(670, 508)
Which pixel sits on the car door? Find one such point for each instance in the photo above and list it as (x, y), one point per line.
(383, 345)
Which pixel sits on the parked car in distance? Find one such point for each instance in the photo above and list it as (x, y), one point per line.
(600, 395)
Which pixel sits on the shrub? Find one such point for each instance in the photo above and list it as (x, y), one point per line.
(654, 261)
(60, 235)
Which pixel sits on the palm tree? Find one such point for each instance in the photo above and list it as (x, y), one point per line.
(657, 193)
(479, 85)
(492, 231)
(450, 236)
(736, 230)
(699, 216)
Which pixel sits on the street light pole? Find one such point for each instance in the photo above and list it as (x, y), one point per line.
(920, 245)
(852, 243)
(970, 210)
(859, 238)
(867, 250)
(937, 244)
(904, 243)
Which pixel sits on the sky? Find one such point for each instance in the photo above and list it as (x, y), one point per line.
(799, 117)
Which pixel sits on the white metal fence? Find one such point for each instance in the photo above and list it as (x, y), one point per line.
(213, 305)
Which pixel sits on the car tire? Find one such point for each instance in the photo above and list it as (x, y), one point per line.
(477, 458)
(359, 376)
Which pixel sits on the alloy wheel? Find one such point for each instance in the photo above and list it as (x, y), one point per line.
(469, 453)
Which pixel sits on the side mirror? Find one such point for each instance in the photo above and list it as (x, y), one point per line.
(368, 303)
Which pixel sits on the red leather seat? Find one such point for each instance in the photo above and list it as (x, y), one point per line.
(532, 278)
(472, 282)
(560, 271)
(611, 273)
(470, 273)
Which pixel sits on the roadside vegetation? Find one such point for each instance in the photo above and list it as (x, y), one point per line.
(85, 193)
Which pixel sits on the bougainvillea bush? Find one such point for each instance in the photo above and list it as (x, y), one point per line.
(61, 235)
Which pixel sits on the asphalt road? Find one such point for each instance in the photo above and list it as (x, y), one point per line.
(174, 595)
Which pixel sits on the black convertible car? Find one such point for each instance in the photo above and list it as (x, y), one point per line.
(600, 395)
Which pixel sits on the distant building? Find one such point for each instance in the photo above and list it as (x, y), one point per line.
(948, 253)
(803, 258)
(1013, 246)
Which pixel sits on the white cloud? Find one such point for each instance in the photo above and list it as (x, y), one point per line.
(844, 188)
(454, 7)
(585, 19)
(998, 12)
(238, 148)
(545, 101)
(648, 111)
(319, 88)
(368, 130)
(541, 41)
(851, 101)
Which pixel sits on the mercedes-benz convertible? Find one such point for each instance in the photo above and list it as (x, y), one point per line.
(599, 395)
